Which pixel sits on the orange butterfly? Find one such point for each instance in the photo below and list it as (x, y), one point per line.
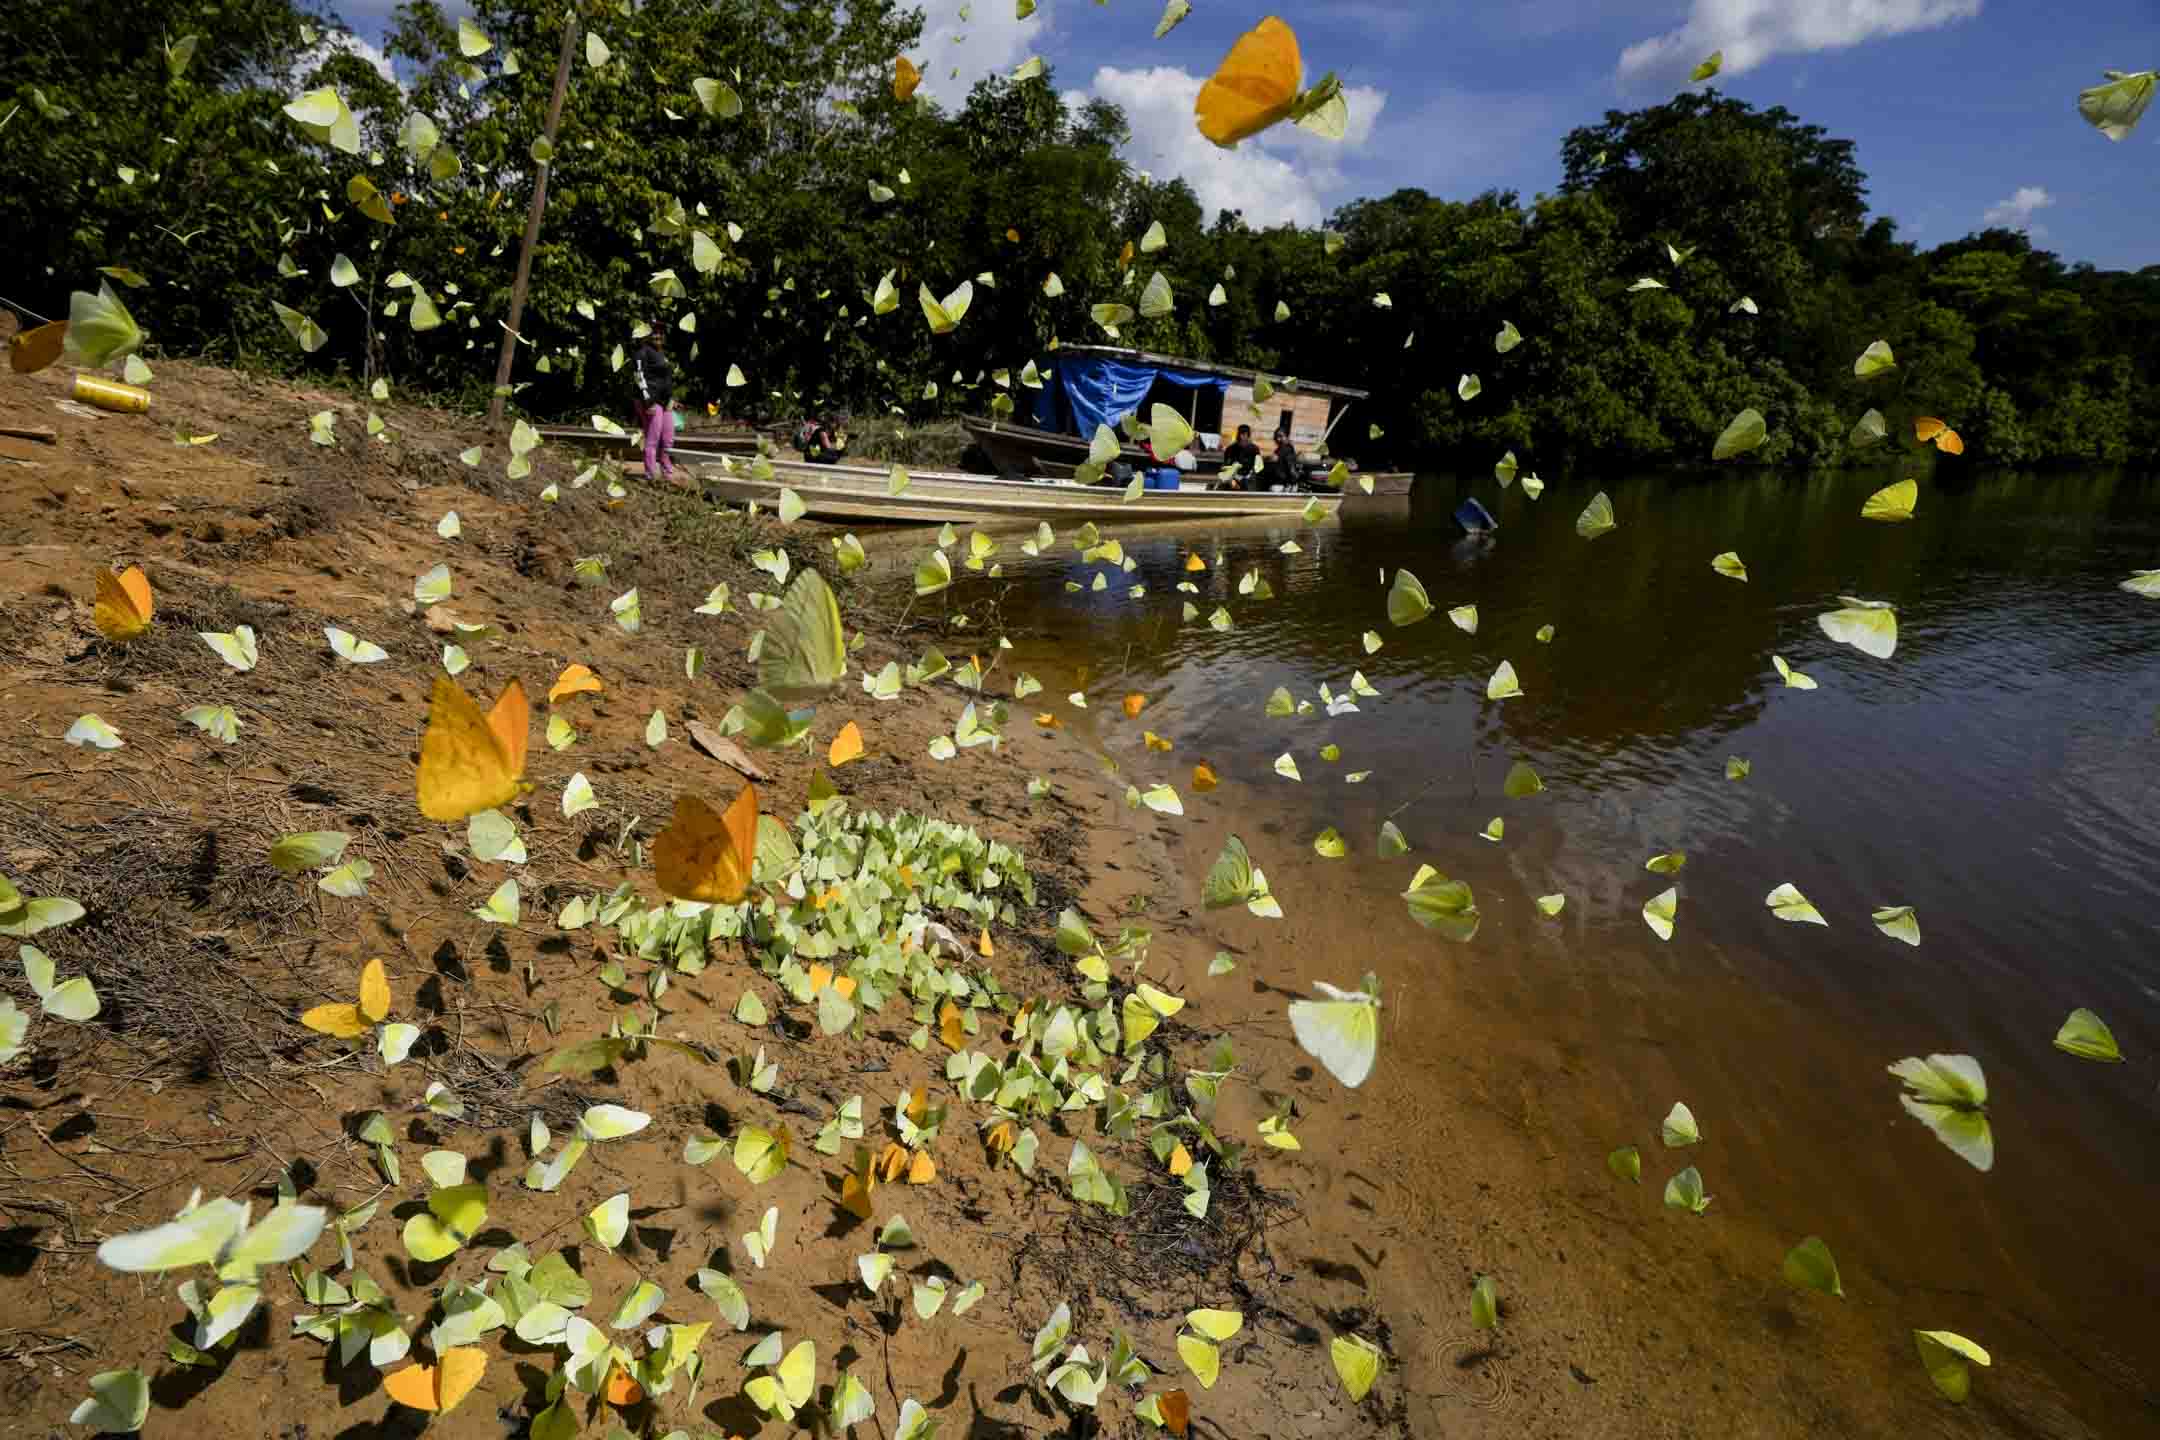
(574, 680)
(441, 1386)
(622, 1390)
(846, 746)
(1134, 704)
(905, 78)
(32, 350)
(124, 606)
(1175, 1407)
(471, 762)
(1927, 427)
(1255, 86)
(951, 1028)
(704, 855)
(1194, 562)
(1203, 777)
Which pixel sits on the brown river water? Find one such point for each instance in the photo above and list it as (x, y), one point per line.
(2000, 773)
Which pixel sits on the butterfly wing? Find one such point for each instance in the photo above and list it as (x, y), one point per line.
(1343, 1035)
(414, 1387)
(940, 322)
(798, 1373)
(463, 767)
(343, 1021)
(574, 680)
(956, 304)
(906, 76)
(374, 991)
(458, 1374)
(1202, 1358)
(510, 722)
(124, 606)
(32, 350)
(1892, 502)
(1255, 86)
(704, 855)
(1230, 879)
(1966, 1132)
(805, 649)
(846, 746)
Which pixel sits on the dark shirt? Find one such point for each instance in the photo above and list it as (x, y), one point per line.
(1285, 468)
(655, 377)
(1246, 456)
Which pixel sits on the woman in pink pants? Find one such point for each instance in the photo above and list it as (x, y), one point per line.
(656, 392)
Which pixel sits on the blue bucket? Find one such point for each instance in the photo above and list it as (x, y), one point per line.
(1166, 478)
(1474, 517)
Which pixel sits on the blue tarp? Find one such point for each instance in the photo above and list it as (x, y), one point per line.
(1083, 391)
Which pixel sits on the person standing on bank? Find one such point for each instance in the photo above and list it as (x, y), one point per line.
(656, 395)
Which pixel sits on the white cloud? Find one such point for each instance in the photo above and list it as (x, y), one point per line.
(331, 44)
(990, 42)
(2016, 213)
(1286, 175)
(1752, 31)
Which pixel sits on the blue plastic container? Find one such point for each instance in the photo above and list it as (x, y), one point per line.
(1166, 478)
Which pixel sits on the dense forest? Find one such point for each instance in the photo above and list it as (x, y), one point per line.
(741, 171)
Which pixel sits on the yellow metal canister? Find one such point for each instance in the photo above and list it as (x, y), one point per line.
(112, 395)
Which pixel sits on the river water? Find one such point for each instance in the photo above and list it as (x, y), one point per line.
(2000, 774)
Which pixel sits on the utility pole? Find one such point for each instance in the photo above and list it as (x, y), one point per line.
(532, 225)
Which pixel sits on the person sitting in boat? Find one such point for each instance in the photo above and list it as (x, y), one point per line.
(1284, 470)
(1246, 457)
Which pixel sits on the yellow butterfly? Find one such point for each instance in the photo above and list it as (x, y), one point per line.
(905, 78)
(440, 1386)
(704, 855)
(1255, 86)
(350, 1022)
(471, 762)
(124, 606)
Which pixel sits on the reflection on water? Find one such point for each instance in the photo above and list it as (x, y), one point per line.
(1998, 774)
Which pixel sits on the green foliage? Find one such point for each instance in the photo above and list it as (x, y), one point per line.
(2029, 359)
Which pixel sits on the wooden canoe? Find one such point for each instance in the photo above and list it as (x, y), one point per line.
(861, 494)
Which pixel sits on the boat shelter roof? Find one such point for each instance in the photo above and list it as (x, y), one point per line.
(1232, 372)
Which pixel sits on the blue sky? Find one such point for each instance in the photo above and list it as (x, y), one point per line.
(1964, 111)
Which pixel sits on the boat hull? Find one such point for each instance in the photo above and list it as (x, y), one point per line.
(858, 494)
(1024, 450)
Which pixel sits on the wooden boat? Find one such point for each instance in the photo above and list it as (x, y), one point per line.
(1088, 385)
(862, 494)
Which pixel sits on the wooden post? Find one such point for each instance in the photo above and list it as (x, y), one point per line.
(532, 227)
